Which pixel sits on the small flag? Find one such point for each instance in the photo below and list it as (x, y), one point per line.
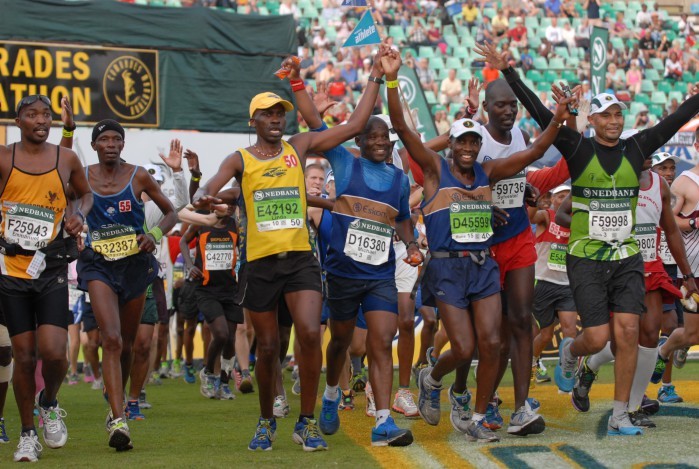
(353, 3)
(364, 33)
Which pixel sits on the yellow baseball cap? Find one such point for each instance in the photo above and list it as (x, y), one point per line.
(266, 100)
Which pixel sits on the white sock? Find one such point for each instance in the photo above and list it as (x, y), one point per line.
(226, 365)
(431, 381)
(645, 364)
(331, 392)
(602, 357)
(619, 409)
(6, 373)
(477, 417)
(662, 384)
(382, 415)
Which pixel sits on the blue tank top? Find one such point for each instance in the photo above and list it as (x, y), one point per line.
(459, 217)
(115, 221)
(363, 222)
(323, 235)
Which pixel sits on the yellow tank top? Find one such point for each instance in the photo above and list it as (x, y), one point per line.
(33, 206)
(274, 208)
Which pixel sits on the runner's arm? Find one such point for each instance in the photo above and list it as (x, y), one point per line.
(80, 187)
(546, 179)
(650, 140)
(678, 191)
(672, 232)
(68, 123)
(187, 238)
(232, 166)
(320, 202)
(152, 189)
(563, 214)
(188, 215)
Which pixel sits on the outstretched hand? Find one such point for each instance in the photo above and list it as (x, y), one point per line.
(292, 65)
(67, 112)
(491, 55)
(174, 158)
(391, 63)
(321, 100)
(562, 112)
(474, 89)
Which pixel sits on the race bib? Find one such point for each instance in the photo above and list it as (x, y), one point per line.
(509, 192)
(115, 242)
(278, 209)
(610, 220)
(647, 236)
(219, 256)
(29, 226)
(470, 221)
(557, 257)
(73, 296)
(368, 241)
(665, 254)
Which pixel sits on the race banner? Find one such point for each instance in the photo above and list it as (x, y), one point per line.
(598, 59)
(365, 33)
(414, 97)
(101, 82)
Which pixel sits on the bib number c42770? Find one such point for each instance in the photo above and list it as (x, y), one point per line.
(29, 226)
(610, 220)
(470, 221)
(368, 242)
(509, 192)
(114, 242)
(219, 256)
(278, 209)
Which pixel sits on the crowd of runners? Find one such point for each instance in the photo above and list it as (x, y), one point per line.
(493, 252)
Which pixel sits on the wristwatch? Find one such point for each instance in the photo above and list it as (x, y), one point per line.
(376, 80)
(693, 223)
(687, 277)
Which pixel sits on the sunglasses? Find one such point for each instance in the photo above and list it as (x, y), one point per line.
(29, 100)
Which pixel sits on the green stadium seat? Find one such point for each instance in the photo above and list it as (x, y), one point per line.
(464, 74)
(678, 95)
(562, 52)
(556, 63)
(397, 33)
(657, 63)
(544, 23)
(656, 109)
(489, 12)
(636, 5)
(637, 107)
(652, 74)
(550, 77)
(460, 52)
(617, 42)
(540, 63)
(629, 120)
(642, 98)
(681, 87)
(468, 42)
(430, 97)
(531, 22)
(543, 86)
(478, 73)
(535, 76)
(426, 52)
(664, 86)
(412, 51)
(573, 62)
(452, 40)
(453, 62)
(647, 86)
(569, 76)
(619, 6)
(534, 43)
(658, 97)
(436, 63)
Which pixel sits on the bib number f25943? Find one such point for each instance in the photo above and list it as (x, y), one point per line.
(610, 220)
(29, 226)
(219, 256)
(114, 242)
(665, 254)
(470, 221)
(647, 237)
(368, 241)
(509, 193)
(278, 209)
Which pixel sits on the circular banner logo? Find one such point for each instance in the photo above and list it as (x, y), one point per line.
(128, 87)
(599, 54)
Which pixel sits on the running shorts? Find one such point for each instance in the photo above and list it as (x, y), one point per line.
(217, 302)
(549, 299)
(347, 295)
(459, 281)
(515, 253)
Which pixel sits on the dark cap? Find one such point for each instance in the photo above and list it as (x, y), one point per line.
(105, 125)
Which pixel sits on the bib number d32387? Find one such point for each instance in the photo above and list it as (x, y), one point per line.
(610, 220)
(115, 242)
(278, 209)
(368, 241)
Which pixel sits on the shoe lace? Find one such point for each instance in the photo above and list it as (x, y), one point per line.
(587, 377)
(311, 430)
(261, 435)
(28, 443)
(52, 422)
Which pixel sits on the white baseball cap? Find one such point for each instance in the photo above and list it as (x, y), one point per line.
(603, 101)
(662, 156)
(155, 171)
(330, 177)
(392, 135)
(465, 126)
(560, 188)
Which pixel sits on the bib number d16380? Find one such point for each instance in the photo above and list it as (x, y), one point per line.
(368, 242)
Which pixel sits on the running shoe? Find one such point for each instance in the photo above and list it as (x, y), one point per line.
(296, 387)
(225, 393)
(359, 381)
(479, 431)
(404, 403)
(347, 400)
(29, 449)
(189, 374)
(640, 419)
(142, 402)
(307, 434)
(264, 436)
(660, 364)
(584, 377)
(246, 386)
(565, 369)
(623, 427)
(493, 420)
(281, 407)
(329, 418)
(649, 406)
(88, 376)
(55, 431)
(133, 411)
(534, 404)
(97, 384)
(73, 379)
(176, 369)
(431, 360)
(416, 371)
(526, 422)
(3, 432)
(370, 409)
(680, 357)
(460, 414)
(208, 384)
(155, 378)
(541, 375)
(164, 371)
(295, 373)
(390, 434)
(668, 395)
(428, 398)
(119, 435)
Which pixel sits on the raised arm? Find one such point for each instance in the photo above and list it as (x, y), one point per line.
(187, 238)
(152, 189)
(80, 187)
(563, 214)
(68, 123)
(304, 103)
(173, 160)
(232, 166)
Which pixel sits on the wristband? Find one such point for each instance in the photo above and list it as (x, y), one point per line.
(156, 233)
(297, 85)
(407, 245)
(196, 179)
(687, 277)
(472, 110)
(67, 133)
(70, 129)
(392, 84)
(376, 80)
(693, 223)
(557, 124)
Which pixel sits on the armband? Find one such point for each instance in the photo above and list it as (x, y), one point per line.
(392, 84)
(67, 133)
(156, 233)
(297, 85)
(196, 178)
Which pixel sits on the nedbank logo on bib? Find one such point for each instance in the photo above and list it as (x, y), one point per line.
(371, 227)
(591, 193)
(129, 87)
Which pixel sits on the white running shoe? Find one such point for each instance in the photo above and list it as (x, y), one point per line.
(281, 407)
(119, 435)
(29, 449)
(370, 404)
(97, 384)
(404, 403)
(55, 431)
(225, 393)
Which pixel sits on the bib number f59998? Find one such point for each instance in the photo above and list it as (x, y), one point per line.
(610, 220)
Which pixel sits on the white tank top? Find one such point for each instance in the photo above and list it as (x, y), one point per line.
(691, 238)
(648, 210)
(508, 193)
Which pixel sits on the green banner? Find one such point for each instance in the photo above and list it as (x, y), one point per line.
(598, 59)
(412, 92)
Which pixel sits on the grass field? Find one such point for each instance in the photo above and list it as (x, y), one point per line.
(185, 430)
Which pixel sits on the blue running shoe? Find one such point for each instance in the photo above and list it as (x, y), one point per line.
(668, 395)
(431, 361)
(660, 364)
(389, 434)
(264, 435)
(565, 369)
(493, 420)
(3, 433)
(133, 411)
(534, 404)
(622, 427)
(329, 418)
(189, 375)
(428, 398)
(307, 433)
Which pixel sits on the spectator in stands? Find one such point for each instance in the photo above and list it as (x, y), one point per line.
(490, 73)
(441, 121)
(434, 36)
(647, 45)
(569, 35)
(529, 125)
(637, 58)
(484, 33)
(405, 19)
(338, 88)
(451, 89)
(417, 34)
(315, 27)
(586, 91)
(690, 58)
(500, 24)
(509, 56)
(288, 7)
(365, 71)
(470, 13)
(615, 78)
(344, 29)
(672, 107)
(320, 59)
(568, 9)
(428, 5)
(685, 26)
(327, 73)
(663, 47)
(426, 76)
(582, 34)
(643, 17)
(656, 26)
(518, 34)
(320, 40)
(612, 54)
(673, 67)
(306, 65)
(634, 76)
(351, 76)
(584, 67)
(643, 120)
(526, 61)
(554, 34)
(552, 8)
(620, 28)
(592, 7)
(545, 48)
(544, 98)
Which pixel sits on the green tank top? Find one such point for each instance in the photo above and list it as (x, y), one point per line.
(604, 212)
